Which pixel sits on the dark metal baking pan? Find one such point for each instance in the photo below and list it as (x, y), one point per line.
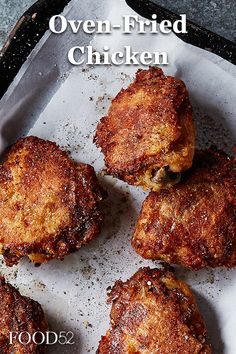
(34, 22)
(25, 35)
(196, 35)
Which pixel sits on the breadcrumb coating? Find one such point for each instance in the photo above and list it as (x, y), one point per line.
(154, 313)
(148, 136)
(194, 223)
(49, 205)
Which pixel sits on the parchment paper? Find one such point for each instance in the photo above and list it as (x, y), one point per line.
(53, 100)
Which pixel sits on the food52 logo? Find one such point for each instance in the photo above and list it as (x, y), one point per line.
(49, 338)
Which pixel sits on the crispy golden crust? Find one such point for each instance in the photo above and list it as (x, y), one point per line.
(154, 313)
(149, 126)
(49, 205)
(194, 223)
(20, 314)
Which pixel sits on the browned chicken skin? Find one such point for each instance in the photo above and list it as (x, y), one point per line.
(154, 313)
(49, 205)
(194, 223)
(148, 136)
(19, 314)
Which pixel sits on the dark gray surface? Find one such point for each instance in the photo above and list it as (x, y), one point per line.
(218, 15)
(10, 11)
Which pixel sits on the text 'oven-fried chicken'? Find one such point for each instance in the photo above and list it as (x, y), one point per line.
(154, 313)
(20, 314)
(148, 136)
(49, 205)
(194, 223)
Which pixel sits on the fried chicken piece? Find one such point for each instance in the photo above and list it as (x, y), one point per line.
(194, 223)
(154, 313)
(20, 314)
(49, 205)
(148, 136)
